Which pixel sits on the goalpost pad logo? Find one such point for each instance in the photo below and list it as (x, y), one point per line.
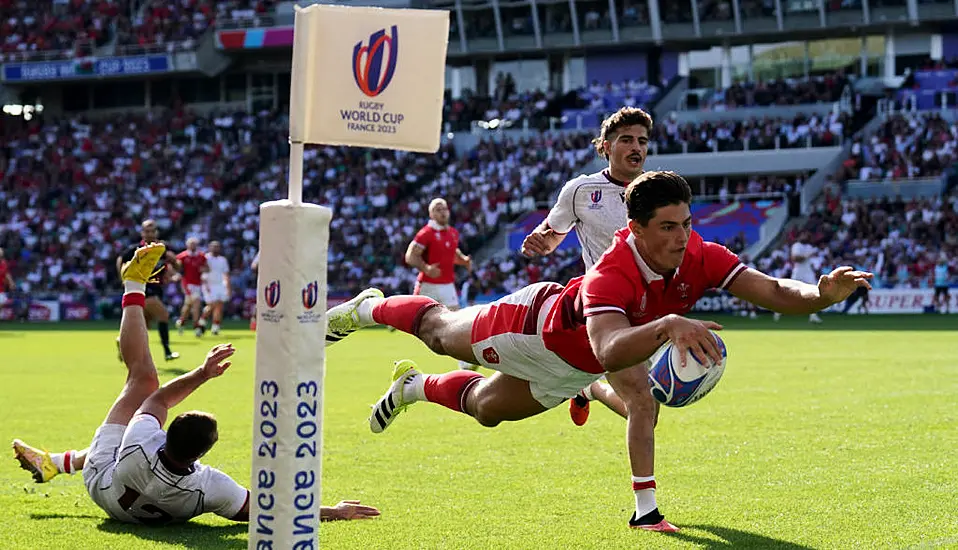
(271, 295)
(310, 299)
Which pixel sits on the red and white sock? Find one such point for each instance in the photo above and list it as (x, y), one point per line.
(448, 390)
(63, 462)
(401, 312)
(644, 489)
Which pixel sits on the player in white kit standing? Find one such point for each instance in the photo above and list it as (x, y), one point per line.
(133, 470)
(595, 206)
(216, 285)
(435, 252)
(802, 253)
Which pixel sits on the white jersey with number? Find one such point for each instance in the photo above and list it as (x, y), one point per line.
(146, 489)
(594, 205)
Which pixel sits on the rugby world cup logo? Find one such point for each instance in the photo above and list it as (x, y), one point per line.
(375, 63)
(596, 198)
(271, 294)
(310, 295)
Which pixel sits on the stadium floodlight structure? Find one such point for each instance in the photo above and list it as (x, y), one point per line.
(365, 77)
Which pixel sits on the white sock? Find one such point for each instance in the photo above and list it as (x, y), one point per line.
(63, 462)
(587, 393)
(216, 327)
(414, 390)
(644, 498)
(365, 311)
(131, 287)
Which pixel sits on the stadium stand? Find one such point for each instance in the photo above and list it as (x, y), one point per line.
(669, 137)
(907, 146)
(900, 241)
(48, 29)
(787, 91)
(73, 190)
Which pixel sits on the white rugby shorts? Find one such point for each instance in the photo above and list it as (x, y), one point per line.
(214, 293)
(444, 294)
(509, 340)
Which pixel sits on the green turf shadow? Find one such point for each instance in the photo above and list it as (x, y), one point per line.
(173, 370)
(190, 535)
(43, 516)
(733, 538)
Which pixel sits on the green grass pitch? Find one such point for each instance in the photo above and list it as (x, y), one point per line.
(838, 436)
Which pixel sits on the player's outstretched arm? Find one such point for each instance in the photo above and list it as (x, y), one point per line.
(178, 389)
(795, 297)
(347, 509)
(344, 510)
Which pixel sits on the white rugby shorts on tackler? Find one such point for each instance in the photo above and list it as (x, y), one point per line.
(101, 464)
(444, 294)
(191, 291)
(507, 337)
(215, 293)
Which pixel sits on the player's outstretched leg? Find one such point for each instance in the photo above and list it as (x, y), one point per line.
(445, 332)
(491, 401)
(348, 317)
(133, 346)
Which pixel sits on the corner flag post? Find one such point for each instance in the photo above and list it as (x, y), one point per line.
(365, 77)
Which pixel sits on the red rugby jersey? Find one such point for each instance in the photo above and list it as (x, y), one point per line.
(622, 282)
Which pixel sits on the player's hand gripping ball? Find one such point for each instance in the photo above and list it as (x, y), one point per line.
(675, 386)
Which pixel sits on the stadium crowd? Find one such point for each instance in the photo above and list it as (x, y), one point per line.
(907, 146)
(73, 191)
(670, 137)
(900, 241)
(52, 29)
(785, 91)
(75, 28)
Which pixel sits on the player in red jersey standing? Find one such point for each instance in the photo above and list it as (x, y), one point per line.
(435, 252)
(547, 342)
(192, 262)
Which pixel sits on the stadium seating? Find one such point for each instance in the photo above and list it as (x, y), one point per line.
(899, 241)
(73, 190)
(913, 145)
(669, 137)
(788, 91)
(53, 29)
(48, 29)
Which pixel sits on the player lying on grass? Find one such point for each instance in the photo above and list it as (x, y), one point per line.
(547, 341)
(133, 470)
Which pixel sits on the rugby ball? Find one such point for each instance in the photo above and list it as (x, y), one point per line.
(675, 386)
